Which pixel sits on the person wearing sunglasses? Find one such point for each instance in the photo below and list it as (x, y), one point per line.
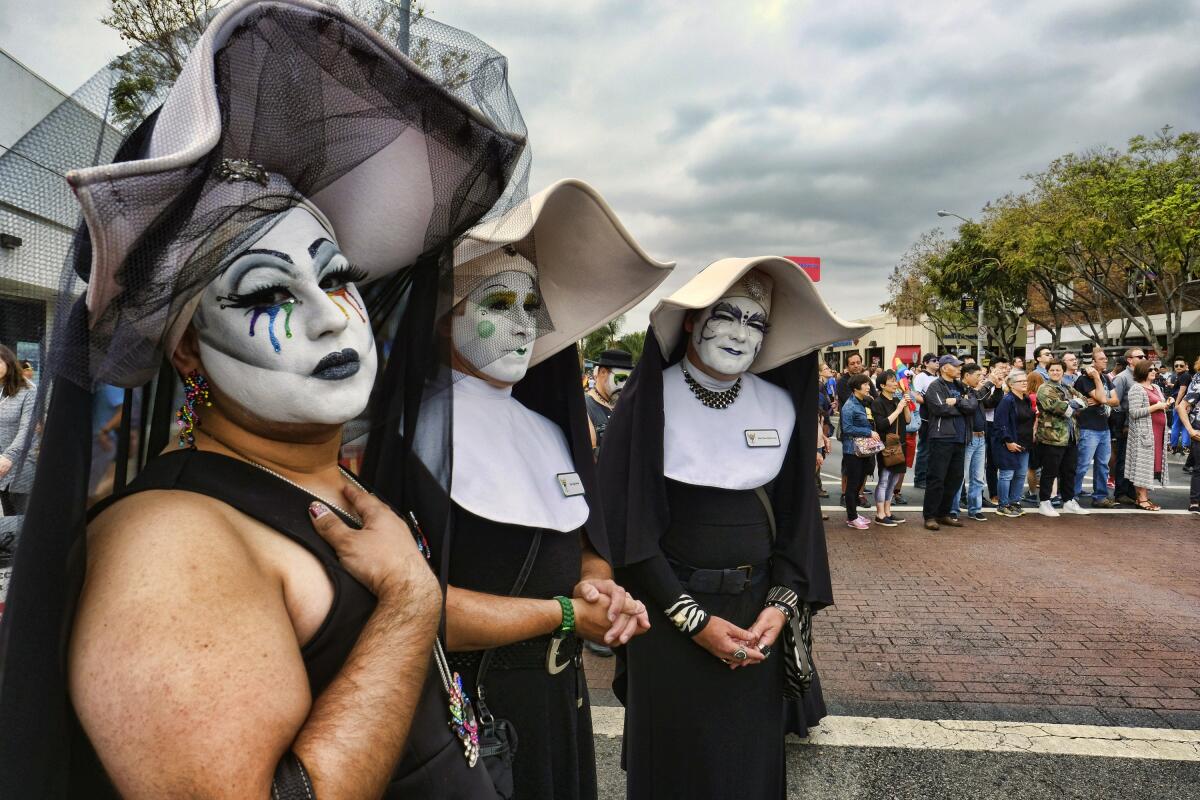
(612, 370)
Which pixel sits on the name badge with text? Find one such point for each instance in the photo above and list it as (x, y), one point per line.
(768, 437)
(570, 483)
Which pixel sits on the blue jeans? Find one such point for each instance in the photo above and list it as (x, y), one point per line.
(1094, 449)
(1011, 482)
(974, 475)
(1179, 434)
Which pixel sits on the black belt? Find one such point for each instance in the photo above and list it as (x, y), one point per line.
(733, 580)
(529, 654)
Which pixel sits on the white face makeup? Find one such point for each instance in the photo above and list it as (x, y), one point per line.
(495, 330)
(614, 382)
(283, 331)
(729, 333)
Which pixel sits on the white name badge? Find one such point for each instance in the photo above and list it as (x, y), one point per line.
(570, 483)
(768, 437)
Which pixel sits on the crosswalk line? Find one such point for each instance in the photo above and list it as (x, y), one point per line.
(978, 735)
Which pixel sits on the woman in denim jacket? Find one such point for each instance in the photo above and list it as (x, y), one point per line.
(855, 422)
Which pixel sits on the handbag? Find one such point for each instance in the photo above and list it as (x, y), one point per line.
(893, 453)
(914, 424)
(799, 669)
(498, 737)
(864, 446)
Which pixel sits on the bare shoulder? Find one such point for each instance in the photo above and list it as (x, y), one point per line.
(154, 518)
(182, 651)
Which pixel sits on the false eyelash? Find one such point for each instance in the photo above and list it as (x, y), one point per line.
(347, 273)
(259, 298)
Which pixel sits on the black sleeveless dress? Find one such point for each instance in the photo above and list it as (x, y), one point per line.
(433, 765)
(555, 758)
(675, 687)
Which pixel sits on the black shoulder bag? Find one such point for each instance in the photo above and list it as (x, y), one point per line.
(498, 737)
(799, 667)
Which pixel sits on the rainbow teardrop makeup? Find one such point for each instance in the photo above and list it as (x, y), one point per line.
(344, 294)
(272, 312)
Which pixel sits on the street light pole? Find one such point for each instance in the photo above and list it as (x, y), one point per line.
(979, 337)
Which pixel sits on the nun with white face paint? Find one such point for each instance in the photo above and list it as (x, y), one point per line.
(525, 555)
(287, 615)
(712, 516)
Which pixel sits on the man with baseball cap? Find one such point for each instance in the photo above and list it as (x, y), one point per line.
(949, 406)
(926, 375)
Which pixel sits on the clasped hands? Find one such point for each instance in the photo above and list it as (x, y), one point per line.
(722, 638)
(605, 612)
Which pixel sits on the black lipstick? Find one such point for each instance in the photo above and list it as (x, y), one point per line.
(337, 366)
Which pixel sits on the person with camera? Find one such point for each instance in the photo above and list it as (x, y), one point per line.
(1058, 440)
(1095, 439)
(892, 413)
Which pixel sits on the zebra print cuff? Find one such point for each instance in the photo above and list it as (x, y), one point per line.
(785, 600)
(687, 615)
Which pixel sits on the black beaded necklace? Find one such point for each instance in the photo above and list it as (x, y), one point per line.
(712, 399)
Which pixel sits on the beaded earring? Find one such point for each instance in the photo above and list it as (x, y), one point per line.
(195, 393)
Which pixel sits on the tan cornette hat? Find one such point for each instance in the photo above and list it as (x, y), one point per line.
(589, 267)
(800, 320)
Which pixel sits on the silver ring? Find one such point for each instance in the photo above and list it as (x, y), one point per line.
(740, 654)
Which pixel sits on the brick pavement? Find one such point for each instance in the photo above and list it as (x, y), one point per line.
(1091, 620)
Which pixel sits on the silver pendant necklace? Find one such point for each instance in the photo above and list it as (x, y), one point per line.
(719, 400)
(348, 514)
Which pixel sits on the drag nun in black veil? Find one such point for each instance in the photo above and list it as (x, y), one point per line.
(290, 117)
(521, 531)
(713, 518)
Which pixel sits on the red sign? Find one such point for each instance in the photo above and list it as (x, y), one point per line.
(810, 264)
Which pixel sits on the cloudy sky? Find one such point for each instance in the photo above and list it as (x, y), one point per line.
(744, 127)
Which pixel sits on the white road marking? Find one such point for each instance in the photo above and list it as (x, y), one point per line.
(981, 736)
(1030, 511)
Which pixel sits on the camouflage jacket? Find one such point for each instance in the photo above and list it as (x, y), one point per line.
(1054, 427)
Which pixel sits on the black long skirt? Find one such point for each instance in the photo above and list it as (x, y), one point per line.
(555, 758)
(694, 728)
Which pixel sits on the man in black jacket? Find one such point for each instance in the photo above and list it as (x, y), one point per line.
(951, 409)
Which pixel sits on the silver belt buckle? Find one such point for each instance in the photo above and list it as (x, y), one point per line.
(552, 665)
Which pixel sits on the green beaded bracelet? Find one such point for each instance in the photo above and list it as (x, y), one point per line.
(568, 614)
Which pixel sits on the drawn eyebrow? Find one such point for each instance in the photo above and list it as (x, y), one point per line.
(245, 263)
(316, 245)
(728, 308)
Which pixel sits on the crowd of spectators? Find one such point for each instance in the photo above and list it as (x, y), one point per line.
(1001, 437)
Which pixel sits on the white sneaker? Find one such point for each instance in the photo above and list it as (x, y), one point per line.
(1047, 509)
(1072, 507)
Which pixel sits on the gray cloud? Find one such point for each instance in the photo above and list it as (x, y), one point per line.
(740, 127)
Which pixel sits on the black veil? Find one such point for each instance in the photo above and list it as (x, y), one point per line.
(454, 91)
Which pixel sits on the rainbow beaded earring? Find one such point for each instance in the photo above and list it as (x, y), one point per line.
(195, 393)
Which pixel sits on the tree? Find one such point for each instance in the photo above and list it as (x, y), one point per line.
(972, 265)
(915, 298)
(1127, 224)
(635, 343)
(162, 33)
(601, 339)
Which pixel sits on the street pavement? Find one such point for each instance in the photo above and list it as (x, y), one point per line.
(1008, 659)
(1012, 658)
